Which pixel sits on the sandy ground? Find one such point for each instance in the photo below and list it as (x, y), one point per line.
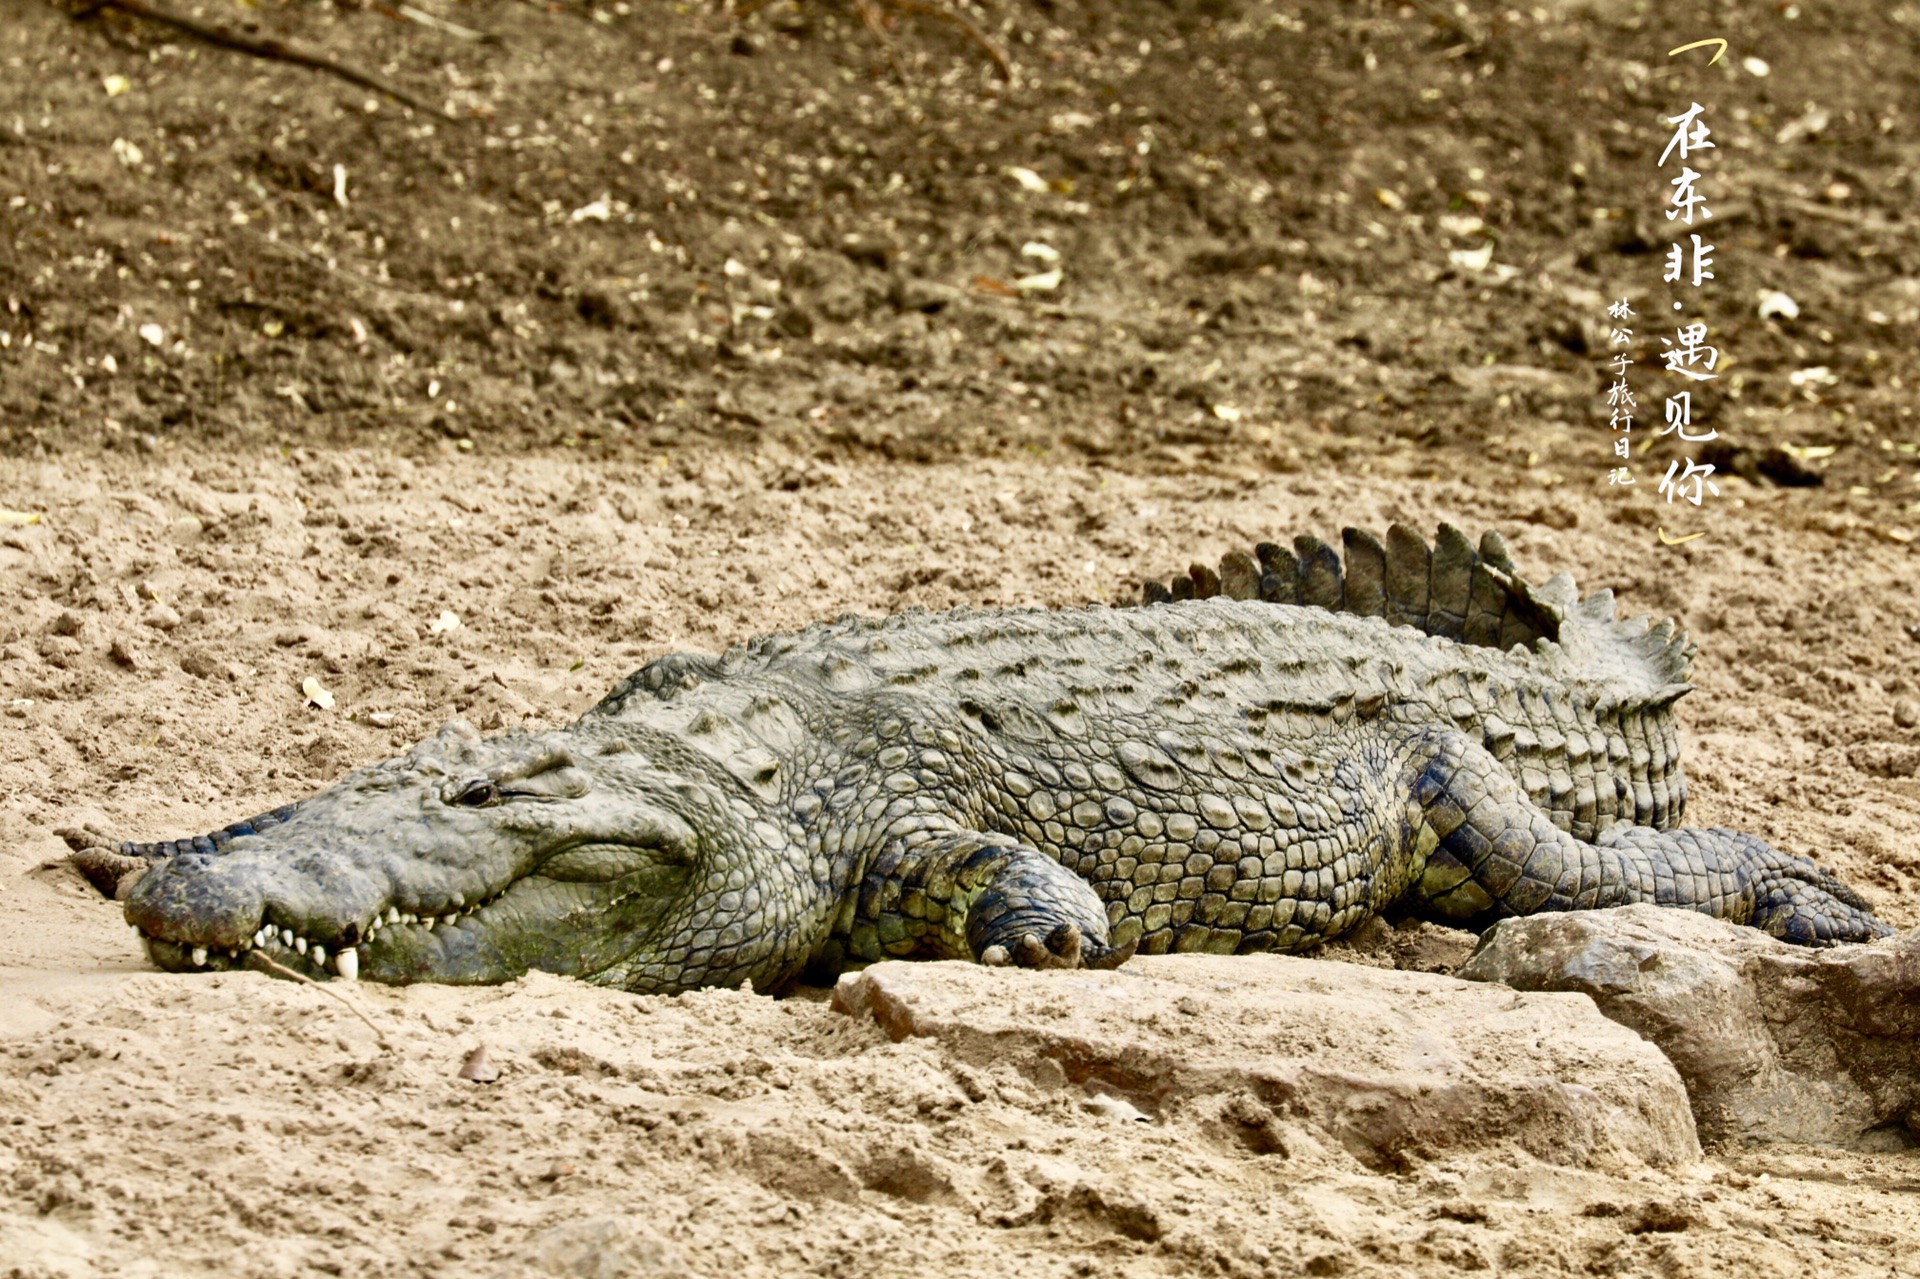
(692, 322)
(169, 610)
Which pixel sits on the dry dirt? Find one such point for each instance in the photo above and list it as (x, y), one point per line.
(502, 369)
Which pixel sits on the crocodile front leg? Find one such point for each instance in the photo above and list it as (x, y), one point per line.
(1498, 854)
(964, 894)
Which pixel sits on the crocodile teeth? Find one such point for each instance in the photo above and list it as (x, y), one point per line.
(260, 938)
(347, 964)
(286, 936)
(199, 956)
(427, 923)
(449, 920)
(319, 956)
(300, 944)
(393, 915)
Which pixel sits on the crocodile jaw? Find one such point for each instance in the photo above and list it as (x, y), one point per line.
(576, 862)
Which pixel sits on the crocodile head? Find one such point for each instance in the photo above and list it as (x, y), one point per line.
(619, 857)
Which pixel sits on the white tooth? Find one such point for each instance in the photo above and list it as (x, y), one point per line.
(286, 936)
(260, 938)
(449, 920)
(347, 964)
(300, 944)
(319, 956)
(393, 915)
(199, 956)
(426, 922)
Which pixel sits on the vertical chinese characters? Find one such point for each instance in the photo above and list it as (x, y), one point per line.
(1687, 354)
(1620, 401)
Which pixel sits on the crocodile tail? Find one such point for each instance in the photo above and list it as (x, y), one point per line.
(1453, 589)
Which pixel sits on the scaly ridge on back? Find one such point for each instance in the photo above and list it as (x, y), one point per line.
(1455, 590)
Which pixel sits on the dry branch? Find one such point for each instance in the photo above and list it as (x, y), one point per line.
(966, 28)
(270, 50)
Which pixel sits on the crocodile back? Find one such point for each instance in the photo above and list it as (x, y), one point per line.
(1583, 723)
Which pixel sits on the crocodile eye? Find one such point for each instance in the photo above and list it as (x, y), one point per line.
(478, 793)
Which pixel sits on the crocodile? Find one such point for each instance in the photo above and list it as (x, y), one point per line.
(1257, 757)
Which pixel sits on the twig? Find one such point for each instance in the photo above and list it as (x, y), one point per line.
(870, 15)
(254, 956)
(1846, 217)
(271, 50)
(973, 33)
(420, 17)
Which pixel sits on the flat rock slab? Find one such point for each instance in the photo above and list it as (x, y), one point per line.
(1395, 1067)
(1775, 1042)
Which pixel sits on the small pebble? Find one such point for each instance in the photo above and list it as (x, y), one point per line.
(1906, 713)
(1116, 1108)
(381, 719)
(478, 1068)
(162, 618)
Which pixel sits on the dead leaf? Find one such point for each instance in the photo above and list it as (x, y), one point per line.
(11, 518)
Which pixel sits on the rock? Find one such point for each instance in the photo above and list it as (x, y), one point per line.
(596, 1248)
(1885, 759)
(1775, 1042)
(477, 1068)
(162, 618)
(60, 651)
(1396, 1067)
(125, 652)
(1906, 713)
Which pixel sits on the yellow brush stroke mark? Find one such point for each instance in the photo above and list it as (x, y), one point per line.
(1676, 541)
(1701, 44)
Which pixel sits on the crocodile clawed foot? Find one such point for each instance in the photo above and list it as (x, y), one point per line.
(1064, 947)
(1110, 957)
(1061, 950)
